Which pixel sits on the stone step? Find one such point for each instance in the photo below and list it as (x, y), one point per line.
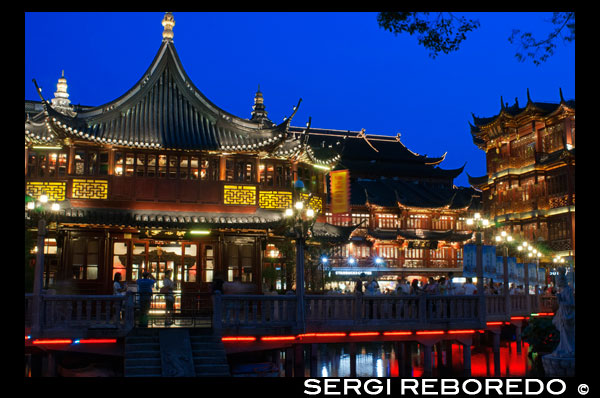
(143, 361)
(141, 347)
(141, 339)
(210, 360)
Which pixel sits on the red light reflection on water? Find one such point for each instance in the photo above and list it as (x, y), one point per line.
(512, 363)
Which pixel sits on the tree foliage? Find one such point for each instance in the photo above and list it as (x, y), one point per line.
(540, 50)
(443, 32)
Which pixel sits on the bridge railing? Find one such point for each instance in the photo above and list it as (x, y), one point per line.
(254, 311)
(78, 314)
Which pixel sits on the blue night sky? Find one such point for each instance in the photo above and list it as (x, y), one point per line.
(349, 72)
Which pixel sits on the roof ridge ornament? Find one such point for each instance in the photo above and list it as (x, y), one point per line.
(362, 135)
(562, 99)
(168, 22)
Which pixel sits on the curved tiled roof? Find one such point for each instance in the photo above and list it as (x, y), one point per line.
(515, 111)
(165, 110)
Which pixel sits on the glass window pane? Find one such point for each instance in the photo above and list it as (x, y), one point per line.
(189, 263)
(151, 170)
(194, 168)
(140, 164)
(162, 166)
(103, 170)
(32, 165)
(118, 163)
(43, 169)
(62, 164)
(183, 167)
(204, 169)
(129, 164)
(79, 162)
(52, 160)
(92, 163)
(172, 166)
(120, 259)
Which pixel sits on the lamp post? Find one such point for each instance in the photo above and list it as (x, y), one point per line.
(479, 223)
(502, 241)
(41, 209)
(300, 219)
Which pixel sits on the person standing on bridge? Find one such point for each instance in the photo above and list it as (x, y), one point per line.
(145, 285)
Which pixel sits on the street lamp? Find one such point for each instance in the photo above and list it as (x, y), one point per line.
(502, 241)
(479, 224)
(300, 219)
(42, 209)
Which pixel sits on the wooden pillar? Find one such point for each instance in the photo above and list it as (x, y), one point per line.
(298, 360)
(496, 351)
(49, 365)
(289, 361)
(449, 353)
(222, 170)
(467, 360)
(314, 349)
(408, 371)
(427, 365)
(352, 359)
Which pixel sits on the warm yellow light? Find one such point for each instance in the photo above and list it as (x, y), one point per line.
(31, 205)
(503, 233)
(509, 238)
(469, 221)
(289, 212)
(485, 222)
(200, 232)
(310, 213)
(477, 216)
(530, 255)
(498, 238)
(318, 166)
(43, 198)
(299, 205)
(55, 207)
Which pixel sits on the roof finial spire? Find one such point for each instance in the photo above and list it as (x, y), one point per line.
(259, 112)
(501, 104)
(61, 101)
(528, 97)
(168, 22)
(562, 99)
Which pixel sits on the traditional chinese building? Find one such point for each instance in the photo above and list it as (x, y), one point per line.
(529, 188)
(411, 217)
(163, 179)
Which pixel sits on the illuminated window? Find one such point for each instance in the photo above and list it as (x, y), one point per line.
(140, 168)
(183, 167)
(162, 166)
(118, 163)
(129, 159)
(151, 170)
(173, 166)
(194, 174)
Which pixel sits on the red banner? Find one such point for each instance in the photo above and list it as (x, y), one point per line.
(340, 191)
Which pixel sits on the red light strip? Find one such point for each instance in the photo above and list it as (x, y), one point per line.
(397, 333)
(99, 341)
(57, 341)
(426, 332)
(277, 338)
(494, 323)
(352, 334)
(460, 331)
(517, 317)
(238, 338)
(330, 334)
